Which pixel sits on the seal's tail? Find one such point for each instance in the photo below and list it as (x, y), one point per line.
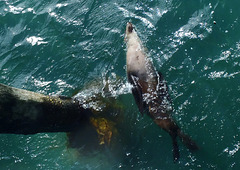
(187, 141)
(174, 131)
(176, 153)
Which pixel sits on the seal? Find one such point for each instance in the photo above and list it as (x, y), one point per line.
(150, 90)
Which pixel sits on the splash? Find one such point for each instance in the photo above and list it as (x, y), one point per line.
(233, 151)
(33, 40)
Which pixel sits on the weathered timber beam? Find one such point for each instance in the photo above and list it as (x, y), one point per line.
(26, 112)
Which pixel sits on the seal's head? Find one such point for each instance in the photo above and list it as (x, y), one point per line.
(129, 30)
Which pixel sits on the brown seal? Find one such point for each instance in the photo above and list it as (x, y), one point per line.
(150, 90)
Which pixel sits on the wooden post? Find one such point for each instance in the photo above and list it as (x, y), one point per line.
(26, 112)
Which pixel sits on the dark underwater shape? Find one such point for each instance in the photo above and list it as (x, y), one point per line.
(26, 112)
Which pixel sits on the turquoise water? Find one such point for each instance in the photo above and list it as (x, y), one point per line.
(58, 47)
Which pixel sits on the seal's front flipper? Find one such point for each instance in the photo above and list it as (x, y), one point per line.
(137, 92)
(160, 76)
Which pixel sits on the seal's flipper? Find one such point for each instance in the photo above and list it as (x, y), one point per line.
(187, 141)
(160, 76)
(162, 84)
(176, 153)
(163, 88)
(137, 92)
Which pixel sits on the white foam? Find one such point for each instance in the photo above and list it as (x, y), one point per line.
(33, 40)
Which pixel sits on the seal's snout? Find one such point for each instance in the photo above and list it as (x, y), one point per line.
(129, 30)
(129, 27)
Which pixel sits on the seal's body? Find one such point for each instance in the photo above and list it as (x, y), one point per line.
(150, 90)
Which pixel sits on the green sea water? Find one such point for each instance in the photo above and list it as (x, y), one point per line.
(57, 47)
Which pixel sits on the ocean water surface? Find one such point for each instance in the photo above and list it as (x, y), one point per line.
(58, 47)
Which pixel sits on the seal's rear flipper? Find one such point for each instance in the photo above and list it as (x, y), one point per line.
(176, 154)
(187, 141)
